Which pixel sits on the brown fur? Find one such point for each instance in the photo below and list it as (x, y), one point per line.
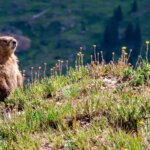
(10, 76)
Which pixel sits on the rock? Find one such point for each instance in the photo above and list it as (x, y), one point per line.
(24, 43)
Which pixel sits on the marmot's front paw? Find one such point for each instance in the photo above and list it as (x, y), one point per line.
(20, 80)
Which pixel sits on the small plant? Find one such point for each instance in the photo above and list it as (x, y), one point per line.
(128, 72)
(72, 91)
(139, 80)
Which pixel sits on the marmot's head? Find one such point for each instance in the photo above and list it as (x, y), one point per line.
(8, 46)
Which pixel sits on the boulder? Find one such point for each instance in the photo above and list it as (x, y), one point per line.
(24, 43)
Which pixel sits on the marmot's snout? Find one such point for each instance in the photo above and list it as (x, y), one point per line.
(13, 43)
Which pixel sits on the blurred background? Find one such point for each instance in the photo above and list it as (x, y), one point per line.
(49, 30)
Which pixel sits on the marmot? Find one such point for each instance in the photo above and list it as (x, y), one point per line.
(10, 76)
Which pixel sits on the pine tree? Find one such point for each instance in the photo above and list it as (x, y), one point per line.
(137, 35)
(110, 38)
(129, 33)
(134, 6)
(137, 39)
(118, 14)
(106, 36)
(83, 26)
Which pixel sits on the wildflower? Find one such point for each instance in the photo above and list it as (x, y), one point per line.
(141, 122)
(91, 57)
(81, 48)
(57, 66)
(124, 48)
(94, 46)
(147, 42)
(78, 54)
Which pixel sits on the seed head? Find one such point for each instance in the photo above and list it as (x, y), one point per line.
(81, 48)
(124, 48)
(141, 122)
(94, 46)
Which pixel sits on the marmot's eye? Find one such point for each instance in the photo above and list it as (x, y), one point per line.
(5, 41)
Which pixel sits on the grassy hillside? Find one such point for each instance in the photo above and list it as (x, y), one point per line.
(57, 28)
(100, 106)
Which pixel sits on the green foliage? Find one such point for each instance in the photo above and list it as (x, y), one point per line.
(72, 91)
(139, 80)
(128, 72)
(126, 141)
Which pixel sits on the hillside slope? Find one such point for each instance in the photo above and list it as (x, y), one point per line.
(101, 106)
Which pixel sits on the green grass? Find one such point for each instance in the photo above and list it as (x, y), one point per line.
(83, 109)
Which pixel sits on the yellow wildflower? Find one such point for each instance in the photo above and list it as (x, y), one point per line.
(141, 122)
(124, 48)
(124, 148)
